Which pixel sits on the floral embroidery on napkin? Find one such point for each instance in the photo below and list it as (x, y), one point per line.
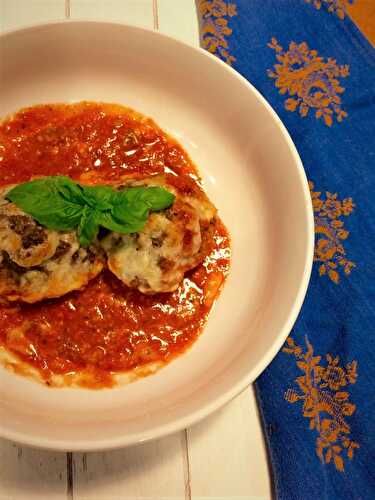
(215, 26)
(330, 233)
(311, 81)
(325, 402)
(339, 7)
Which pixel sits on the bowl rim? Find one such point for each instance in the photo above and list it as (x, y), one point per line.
(194, 416)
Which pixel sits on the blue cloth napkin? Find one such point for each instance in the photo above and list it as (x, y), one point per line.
(317, 398)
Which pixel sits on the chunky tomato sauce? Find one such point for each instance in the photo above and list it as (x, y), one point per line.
(106, 328)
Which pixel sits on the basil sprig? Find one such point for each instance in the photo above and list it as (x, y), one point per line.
(59, 203)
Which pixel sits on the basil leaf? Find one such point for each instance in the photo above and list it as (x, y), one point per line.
(134, 204)
(131, 214)
(88, 227)
(62, 217)
(157, 198)
(59, 203)
(100, 197)
(68, 189)
(41, 200)
(107, 220)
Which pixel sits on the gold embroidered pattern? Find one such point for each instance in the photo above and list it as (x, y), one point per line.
(311, 81)
(339, 7)
(325, 402)
(330, 233)
(215, 26)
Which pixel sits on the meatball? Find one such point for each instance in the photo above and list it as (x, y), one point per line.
(37, 263)
(156, 258)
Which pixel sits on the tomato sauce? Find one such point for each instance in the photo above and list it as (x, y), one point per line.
(106, 328)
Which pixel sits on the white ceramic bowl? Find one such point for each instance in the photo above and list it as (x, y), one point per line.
(253, 174)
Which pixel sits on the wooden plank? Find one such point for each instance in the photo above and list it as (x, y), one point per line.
(17, 13)
(179, 19)
(227, 458)
(30, 474)
(137, 12)
(26, 473)
(150, 471)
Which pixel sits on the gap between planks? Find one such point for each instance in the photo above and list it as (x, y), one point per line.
(155, 13)
(186, 463)
(67, 9)
(69, 476)
(184, 433)
(69, 455)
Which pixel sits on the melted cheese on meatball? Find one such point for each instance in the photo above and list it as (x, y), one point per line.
(37, 263)
(156, 259)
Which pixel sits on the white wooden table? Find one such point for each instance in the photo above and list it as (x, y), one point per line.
(222, 458)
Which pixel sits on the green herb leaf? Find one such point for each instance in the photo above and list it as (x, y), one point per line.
(42, 199)
(60, 203)
(99, 197)
(88, 227)
(157, 198)
(107, 220)
(134, 204)
(68, 189)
